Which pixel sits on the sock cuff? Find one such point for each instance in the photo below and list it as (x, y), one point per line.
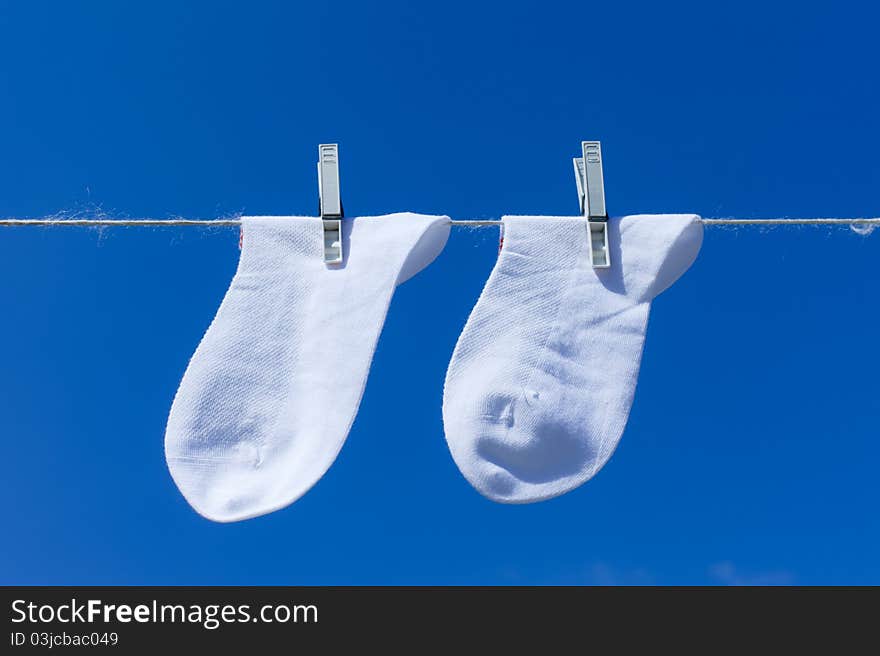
(649, 252)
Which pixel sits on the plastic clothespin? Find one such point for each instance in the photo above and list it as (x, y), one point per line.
(591, 192)
(329, 203)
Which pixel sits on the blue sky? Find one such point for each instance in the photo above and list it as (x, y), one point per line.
(751, 452)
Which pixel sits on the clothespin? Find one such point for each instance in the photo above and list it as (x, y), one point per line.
(591, 192)
(330, 205)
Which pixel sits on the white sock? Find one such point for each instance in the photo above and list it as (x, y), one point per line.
(542, 379)
(272, 390)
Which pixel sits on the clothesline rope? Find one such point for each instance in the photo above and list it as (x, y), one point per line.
(476, 223)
